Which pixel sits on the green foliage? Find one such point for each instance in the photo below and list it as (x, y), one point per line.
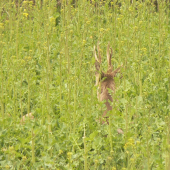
(47, 69)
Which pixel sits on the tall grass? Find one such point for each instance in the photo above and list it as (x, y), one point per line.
(47, 68)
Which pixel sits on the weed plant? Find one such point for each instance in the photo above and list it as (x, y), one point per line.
(47, 68)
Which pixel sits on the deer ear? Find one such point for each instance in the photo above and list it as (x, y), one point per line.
(109, 56)
(97, 63)
(98, 59)
(98, 49)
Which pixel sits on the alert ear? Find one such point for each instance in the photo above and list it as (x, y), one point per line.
(97, 64)
(109, 57)
(98, 60)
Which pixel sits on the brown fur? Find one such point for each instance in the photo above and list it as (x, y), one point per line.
(105, 81)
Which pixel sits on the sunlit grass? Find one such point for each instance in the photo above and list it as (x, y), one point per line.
(47, 69)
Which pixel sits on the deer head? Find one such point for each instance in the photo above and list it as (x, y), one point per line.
(105, 81)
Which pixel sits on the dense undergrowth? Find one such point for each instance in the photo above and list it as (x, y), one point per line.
(47, 68)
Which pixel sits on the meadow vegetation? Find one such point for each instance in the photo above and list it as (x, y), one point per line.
(47, 69)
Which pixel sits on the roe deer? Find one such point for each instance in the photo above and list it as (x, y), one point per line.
(105, 81)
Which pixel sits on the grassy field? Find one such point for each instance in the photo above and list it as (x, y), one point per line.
(47, 68)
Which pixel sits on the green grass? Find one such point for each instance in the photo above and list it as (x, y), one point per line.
(47, 68)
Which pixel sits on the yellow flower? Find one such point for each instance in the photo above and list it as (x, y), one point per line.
(131, 141)
(7, 166)
(110, 14)
(101, 29)
(1, 25)
(60, 152)
(25, 2)
(25, 15)
(130, 9)
(84, 42)
(112, 3)
(24, 158)
(140, 6)
(87, 22)
(29, 58)
(30, 2)
(140, 22)
(108, 29)
(22, 62)
(69, 154)
(52, 19)
(11, 148)
(125, 146)
(135, 28)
